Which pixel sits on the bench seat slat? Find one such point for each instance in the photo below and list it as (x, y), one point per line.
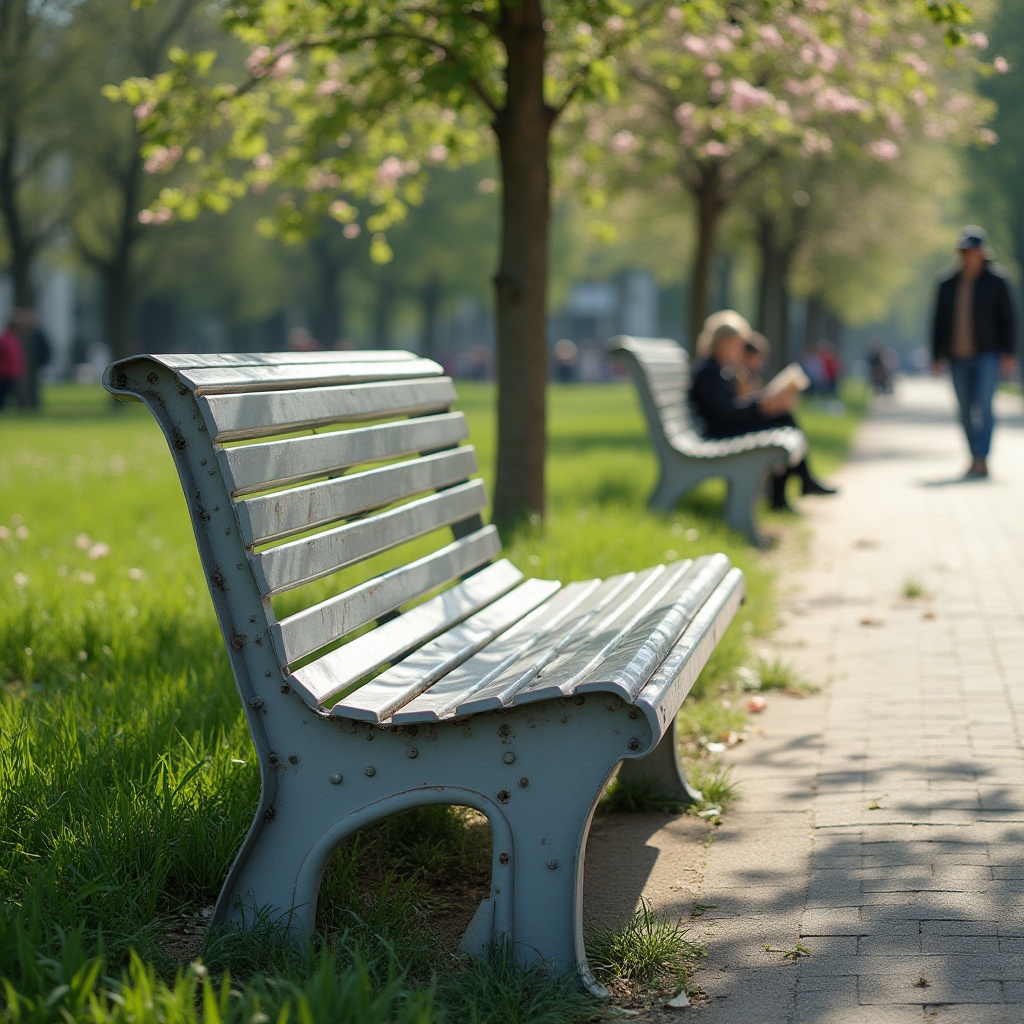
(382, 697)
(561, 676)
(273, 516)
(492, 679)
(259, 467)
(248, 376)
(636, 656)
(675, 676)
(389, 641)
(312, 628)
(509, 668)
(311, 558)
(264, 413)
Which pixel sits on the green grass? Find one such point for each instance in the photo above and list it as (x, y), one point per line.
(127, 777)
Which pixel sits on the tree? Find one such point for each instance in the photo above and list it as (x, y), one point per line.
(34, 59)
(348, 101)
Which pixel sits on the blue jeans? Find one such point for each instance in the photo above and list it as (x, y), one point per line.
(974, 382)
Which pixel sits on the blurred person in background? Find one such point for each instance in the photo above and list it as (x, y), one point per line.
(12, 360)
(973, 331)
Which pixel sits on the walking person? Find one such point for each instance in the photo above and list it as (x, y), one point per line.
(973, 332)
(12, 361)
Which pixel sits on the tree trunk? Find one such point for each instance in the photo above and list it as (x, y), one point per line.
(327, 321)
(383, 312)
(814, 330)
(21, 249)
(709, 211)
(773, 295)
(522, 127)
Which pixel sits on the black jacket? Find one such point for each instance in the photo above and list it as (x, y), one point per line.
(717, 412)
(993, 315)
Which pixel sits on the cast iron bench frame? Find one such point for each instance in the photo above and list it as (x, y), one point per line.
(460, 681)
(659, 368)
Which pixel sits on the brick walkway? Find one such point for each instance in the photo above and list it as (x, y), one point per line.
(882, 821)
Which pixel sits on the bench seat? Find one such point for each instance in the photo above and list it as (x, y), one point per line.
(385, 653)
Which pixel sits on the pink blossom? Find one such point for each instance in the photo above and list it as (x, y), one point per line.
(389, 172)
(712, 69)
(284, 65)
(884, 149)
(487, 186)
(675, 15)
(163, 158)
(978, 39)
(716, 90)
(815, 142)
(263, 161)
(615, 24)
(987, 137)
(921, 66)
(697, 46)
(684, 113)
(322, 180)
(770, 35)
(449, 116)
(715, 149)
(143, 110)
(341, 210)
(743, 96)
(351, 230)
(958, 104)
(828, 59)
(623, 142)
(329, 87)
(256, 62)
(722, 43)
(834, 101)
(918, 97)
(437, 154)
(584, 29)
(1001, 65)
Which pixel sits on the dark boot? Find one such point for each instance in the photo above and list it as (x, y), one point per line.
(809, 484)
(778, 486)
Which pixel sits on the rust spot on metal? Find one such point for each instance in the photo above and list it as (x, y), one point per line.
(178, 442)
(152, 378)
(238, 641)
(502, 858)
(524, 782)
(120, 380)
(269, 814)
(217, 580)
(285, 688)
(504, 730)
(504, 796)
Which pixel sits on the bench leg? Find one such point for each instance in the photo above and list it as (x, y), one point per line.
(662, 768)
(669, 490)
(745, 489)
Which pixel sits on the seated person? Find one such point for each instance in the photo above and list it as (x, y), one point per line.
(720, 412)
(750, 373)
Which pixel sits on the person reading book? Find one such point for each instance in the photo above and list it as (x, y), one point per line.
(720, 411)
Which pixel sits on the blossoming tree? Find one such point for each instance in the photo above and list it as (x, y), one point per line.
(345, 104)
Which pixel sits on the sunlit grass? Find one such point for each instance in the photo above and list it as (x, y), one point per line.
(127, 777)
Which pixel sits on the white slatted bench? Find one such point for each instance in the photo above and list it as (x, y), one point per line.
(660, 371)
(388, 657)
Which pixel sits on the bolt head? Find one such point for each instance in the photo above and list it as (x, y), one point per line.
(337, 778)
(413, 752)
(508, 757)
(370, 771)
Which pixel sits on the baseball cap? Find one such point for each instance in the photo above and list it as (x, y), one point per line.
(971, 237)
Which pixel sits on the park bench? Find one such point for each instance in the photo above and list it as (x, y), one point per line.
(660, 371)
(387, 657)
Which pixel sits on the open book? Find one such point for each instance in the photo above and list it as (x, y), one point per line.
(789, 378)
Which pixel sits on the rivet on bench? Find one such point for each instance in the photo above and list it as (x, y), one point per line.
(152, 378)
(272, 759)
(256, 702)
(504, 730)
(552, 864)
(285, 688)
(412, 730)
(293, 758)
(524, 782)
(508, 757)
(270, 814)
(633, 712)
(504, 796)
(413, 752)
(371, 771)
(337, 778)
(502, 858)
(633, 744)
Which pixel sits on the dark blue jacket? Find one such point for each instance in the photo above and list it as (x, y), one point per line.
(717, 412)
(993, 315)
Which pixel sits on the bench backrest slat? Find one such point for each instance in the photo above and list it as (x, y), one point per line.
(276, 515)
(222, 373)
(313, 628)
(237, 417)
(259, 467)
(302, 561)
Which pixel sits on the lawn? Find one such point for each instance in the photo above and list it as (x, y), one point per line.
(126, 775)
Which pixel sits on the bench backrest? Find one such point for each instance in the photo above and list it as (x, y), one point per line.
(660, 369)
(348, 468)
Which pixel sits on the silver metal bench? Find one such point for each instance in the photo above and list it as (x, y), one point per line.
(388, 657)
(660, 370)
